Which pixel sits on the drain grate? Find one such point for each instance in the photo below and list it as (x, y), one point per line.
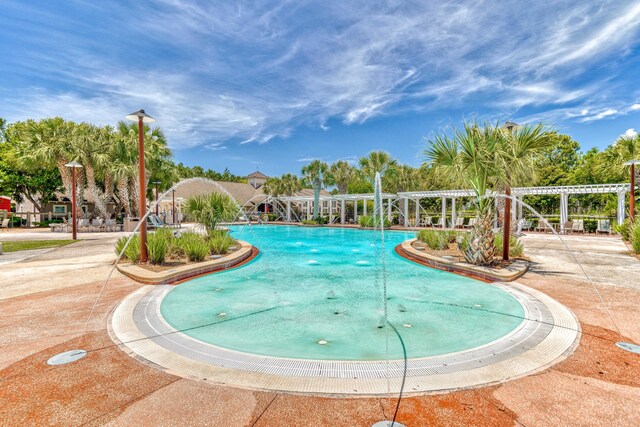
(66, 357)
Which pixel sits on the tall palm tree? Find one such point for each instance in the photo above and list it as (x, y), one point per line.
(343, 174)
(48, 142)
(273, 186)
(91, 148)
(317, 175)
(404, 178)
(470, 153)
(377, 161)
(515, 159)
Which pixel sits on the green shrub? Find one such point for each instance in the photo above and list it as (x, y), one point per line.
(132, 252)
(368, 221)
(436, 240)
(590, 225)
(194, 246)
(516, 248)
(120, 245)
(624, 230)
(635, 237)
(272, 217)
(158, 246)
(219, 245)
(309, 222)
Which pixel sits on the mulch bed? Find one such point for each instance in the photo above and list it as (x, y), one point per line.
(455, 255)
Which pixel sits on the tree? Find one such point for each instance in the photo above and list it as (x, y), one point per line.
(342, 174)
(624, 149)
(470, 154)
(515, 157)
(209, 210)
(377, 161)
(17, 178)
(317, 175)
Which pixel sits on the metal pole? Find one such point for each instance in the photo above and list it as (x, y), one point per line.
(632, 201)
(74, 231)
(507, 224)
(157, 198)
(143, 193)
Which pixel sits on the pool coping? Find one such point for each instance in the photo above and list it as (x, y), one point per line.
(188, 271)
(511, 273)
(557, 336)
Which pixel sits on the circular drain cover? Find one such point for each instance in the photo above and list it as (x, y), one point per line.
(66, 357)
(388, 424)
(633, 348)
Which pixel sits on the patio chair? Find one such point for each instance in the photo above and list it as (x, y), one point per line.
(111, 225)
(526, 225)
(426, 222)
(568, 227)
(58, 226)
(5, 224)
(604, 226)
(83, 225)
(471, 223)
(459, 223)
(96, 225)
(438, 222)
(578, 226)
(543, 227)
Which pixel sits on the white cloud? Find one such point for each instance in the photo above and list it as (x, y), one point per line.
(630, 133)
(251, 73)
(216, 146)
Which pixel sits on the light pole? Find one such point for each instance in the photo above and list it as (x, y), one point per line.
(74, 209)
(632, 199)
(142, 117)
(156, 183)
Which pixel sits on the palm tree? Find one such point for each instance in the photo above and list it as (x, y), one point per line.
(517, 151)
(290, 184)
(625, 148)
(377, 161)
(343, 174)
(404, 178)
(90, 145)
(209, 210)
(317, 175)
(470, 153)
(272, 186)
(48, 142)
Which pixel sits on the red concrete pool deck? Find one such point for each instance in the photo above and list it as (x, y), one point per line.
(599, 384)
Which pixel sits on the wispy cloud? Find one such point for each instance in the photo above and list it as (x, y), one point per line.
(223, 73)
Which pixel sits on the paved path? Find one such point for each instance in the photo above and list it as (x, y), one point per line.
(46, 299)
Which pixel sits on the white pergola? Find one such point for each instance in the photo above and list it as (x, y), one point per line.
(519, 193)
(338, 202)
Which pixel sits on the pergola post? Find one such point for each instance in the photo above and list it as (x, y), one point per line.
(308, 209)
(622, 196)
(288, 210)
(417, 212)
(342, 211)
(364, 207)
(406, 211)
(330, 211)
(355, 211)
(454, 217)
(564, 210)
(444, 211)
(389, 207)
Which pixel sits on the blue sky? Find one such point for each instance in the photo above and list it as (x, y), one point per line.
(242, 84)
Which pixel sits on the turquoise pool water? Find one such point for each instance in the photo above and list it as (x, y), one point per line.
(315, 293)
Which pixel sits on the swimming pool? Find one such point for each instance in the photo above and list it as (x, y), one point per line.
(315, 293)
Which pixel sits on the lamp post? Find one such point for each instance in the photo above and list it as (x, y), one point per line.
(156, 183)
(632, 199)
(173, 205)
(142, 117)
(74, 179)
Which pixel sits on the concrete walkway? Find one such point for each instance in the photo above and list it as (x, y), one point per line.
(46, 300)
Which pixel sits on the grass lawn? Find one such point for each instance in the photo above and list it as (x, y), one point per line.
(27, 245)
